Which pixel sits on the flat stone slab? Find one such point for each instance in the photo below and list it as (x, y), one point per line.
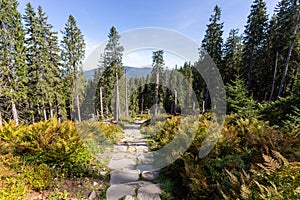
(144, 167)
(120, 148)
(131, 149)
(115, 192)
(122, 163)
(127, 155)
(138, 184)
(146, 158)
(124, 176)
(149, 192)
(142, 149)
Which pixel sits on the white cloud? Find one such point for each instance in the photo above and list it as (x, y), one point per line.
(143, 58)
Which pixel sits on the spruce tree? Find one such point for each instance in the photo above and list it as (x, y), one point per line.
(232, 56)
(112, 67)
(238, 102)
(158, 63)
(213, 41)
(13, 79)
(43, 63)
(288, 24)
(212, 44)
(254, 40)
(72, 54)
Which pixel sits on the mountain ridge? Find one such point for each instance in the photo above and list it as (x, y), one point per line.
(131, 72)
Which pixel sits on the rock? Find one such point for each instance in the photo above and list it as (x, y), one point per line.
(146, 158)
(144, 167)
(149, 192)
(138, 184)
(129, 197)
(122, 163)
(141, 149)
(131, 149)
(124, 176)
(115, 192)
(120, 148)
(92, 195)
(148, 196)
(150, 175)
(127, 155)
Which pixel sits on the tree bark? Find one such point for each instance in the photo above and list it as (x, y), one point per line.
(288, 57)
(274, 77)
(156, 91)
(51, 110)
(142, 104)
(126, 95)
(44, 111)
(15, 113)
(117, 106)
(14, 110)
(101, 103)
(78, 108)
(175, 101)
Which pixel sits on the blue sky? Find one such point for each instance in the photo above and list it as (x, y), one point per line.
(95, 17)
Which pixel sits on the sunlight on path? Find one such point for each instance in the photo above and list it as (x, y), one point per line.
(132, 172)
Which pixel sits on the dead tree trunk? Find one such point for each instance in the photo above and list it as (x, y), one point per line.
(288, 57)
(274, 77)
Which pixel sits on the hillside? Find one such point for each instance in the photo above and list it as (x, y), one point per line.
(132, 72)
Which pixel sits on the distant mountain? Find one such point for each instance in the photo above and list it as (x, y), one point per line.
(131, 72)
(89, 74)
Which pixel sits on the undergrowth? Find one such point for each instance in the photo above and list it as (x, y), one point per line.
(33, 156)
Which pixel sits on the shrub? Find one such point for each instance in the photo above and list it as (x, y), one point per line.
(227, 171)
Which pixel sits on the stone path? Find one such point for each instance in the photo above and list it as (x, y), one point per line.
(132, 174)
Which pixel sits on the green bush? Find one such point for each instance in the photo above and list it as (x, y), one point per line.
(231, 167)
(31, 156)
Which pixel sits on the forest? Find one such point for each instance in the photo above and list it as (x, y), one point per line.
(44, 95)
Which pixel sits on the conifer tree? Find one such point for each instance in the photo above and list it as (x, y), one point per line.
(112, 67)
(232, 56)
(213, 41)
(254, 40)
(288, 23)
(13, 79)
(212, 44)
(73, 50)
(238, 101)
(43, 63)
(158, 63)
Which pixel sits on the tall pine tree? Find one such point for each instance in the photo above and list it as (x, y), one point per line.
(157, 63)
(112, 69)
(212, 44)
(72, 54)
(13, 79)
(254, 41)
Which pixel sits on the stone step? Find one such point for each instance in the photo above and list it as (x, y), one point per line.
(124, 176)
(122, 164)
(118, 191)
(149, 192)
